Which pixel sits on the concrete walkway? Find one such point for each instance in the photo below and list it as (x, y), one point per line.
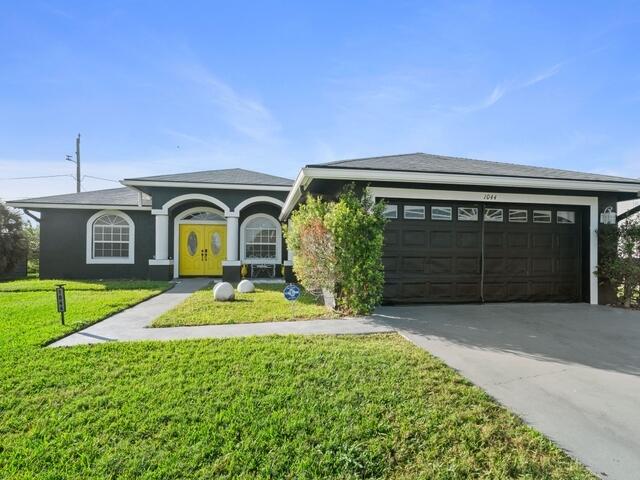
(132, 324)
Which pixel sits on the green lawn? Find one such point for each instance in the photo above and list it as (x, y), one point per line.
(265, 407)
(28, 315)
(266, 304)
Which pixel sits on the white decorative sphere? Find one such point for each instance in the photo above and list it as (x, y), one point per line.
(246, 286)
(223, 292)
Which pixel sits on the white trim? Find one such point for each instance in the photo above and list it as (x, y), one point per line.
(231, 263)
(110, 260)
(309, 173)
(74, 206)
(269, 261)
(488, 197)
(219, 186)
(259, 198)
(190, 196)
(153, 261)
(179, 220)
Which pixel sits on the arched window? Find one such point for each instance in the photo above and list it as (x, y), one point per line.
(260, 239)
(204, 216)
(110, 238)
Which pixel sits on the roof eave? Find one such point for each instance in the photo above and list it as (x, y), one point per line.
(216, 186)
(74, 206)
(310, 173)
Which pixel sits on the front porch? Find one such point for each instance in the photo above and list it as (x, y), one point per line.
(199, 235)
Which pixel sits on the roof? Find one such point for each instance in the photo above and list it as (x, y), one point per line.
(113, 196)
(232, 176)
(427, 163)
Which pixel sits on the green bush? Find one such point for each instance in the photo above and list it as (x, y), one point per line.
(338, 247)
(620, 258)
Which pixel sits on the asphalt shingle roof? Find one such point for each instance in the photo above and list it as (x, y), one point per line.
(427, 163)
(112, 196)
(237, 176)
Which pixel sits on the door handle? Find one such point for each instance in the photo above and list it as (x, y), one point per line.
(206, 254)
(202, 255)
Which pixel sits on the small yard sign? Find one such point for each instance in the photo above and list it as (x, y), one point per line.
(61, 301)
(291, 293)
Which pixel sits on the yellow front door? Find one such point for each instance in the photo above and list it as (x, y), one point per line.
(202, 249)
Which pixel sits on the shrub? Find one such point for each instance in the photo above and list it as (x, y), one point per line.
(357, 226)
(13, 243)
(620, 259)
(338, 247)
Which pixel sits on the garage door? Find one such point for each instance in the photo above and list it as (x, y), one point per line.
(472, 252)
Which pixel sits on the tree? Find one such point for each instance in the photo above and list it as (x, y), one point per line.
(32, 234)
(13, 243)
(620, 261)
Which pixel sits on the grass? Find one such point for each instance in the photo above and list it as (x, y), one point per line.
(28, 315)
(266, 304)
(260, 407)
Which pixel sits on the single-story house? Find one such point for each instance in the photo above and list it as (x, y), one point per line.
(459, 230)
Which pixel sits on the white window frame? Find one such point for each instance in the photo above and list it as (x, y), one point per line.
(90, 259)
(542, 212)
(265, 261)
(471, 218)
(571, 213)
(443, 207)
(420, 212)
(490, 219)
(390, 209)
(514, 211)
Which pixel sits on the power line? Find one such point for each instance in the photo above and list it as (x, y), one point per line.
(41, 176)
(100, 178)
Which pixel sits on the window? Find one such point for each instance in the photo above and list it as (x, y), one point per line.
(517, 216)
(468, 214)
(204, 216)
(110, 238)
(390, 211)
(566, 217)
(260, 239)
(493, 215)
(413, 212)
(542, 216)
(441, 213)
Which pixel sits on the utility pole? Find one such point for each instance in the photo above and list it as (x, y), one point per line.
(77, 162)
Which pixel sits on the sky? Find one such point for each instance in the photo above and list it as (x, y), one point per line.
(160, 87)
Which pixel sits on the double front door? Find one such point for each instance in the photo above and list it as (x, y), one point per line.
(202, 249)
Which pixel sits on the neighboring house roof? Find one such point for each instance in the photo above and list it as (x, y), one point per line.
(116, 197)
(427, 163)
(232, 176)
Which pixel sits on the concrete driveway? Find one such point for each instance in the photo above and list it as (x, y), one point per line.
(570, 370)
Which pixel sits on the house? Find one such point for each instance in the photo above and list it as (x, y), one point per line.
(459, 230)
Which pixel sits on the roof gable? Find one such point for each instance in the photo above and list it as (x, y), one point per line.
(231, 176)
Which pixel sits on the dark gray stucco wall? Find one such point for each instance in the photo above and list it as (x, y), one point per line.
(63, 237)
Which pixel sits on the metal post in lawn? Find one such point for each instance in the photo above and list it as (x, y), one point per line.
(61, 301)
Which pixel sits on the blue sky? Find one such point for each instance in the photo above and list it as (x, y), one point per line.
(159, 87)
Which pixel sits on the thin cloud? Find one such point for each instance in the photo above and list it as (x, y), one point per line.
(502, 89)
(542, 76)
(247, 115)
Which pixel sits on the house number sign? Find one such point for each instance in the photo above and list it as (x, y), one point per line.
(489, 196)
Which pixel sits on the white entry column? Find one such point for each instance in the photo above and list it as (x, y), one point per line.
(162, 237)
(232, 237)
